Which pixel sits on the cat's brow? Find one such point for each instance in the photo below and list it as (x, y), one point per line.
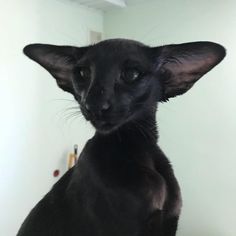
(84, 62)
(135, 63)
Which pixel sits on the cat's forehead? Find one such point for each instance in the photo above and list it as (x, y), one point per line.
(121, 43)
(117, 50)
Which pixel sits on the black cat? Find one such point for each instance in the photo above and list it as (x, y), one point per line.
(123, 184)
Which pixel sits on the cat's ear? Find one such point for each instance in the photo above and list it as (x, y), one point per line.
(181, 65)
(58, 60)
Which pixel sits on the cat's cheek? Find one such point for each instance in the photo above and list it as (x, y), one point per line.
(77, 97)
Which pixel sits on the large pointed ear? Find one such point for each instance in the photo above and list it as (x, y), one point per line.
(58, 60)
(181, 65)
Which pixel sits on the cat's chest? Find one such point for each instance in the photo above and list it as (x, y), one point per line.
(120, 164)
(117, 188)
(129, 173)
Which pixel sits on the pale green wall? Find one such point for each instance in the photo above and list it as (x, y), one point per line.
(35, 135)
(198, 129)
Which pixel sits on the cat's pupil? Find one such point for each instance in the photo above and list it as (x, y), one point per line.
(130, 75)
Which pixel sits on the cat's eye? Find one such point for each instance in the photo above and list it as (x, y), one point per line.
(130, 75)
(84, 72)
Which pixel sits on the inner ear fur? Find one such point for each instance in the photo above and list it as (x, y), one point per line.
(59, 61)
(179, 66)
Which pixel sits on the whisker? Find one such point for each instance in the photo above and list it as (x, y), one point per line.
(68, 112)
(63, 99)
(73, 118)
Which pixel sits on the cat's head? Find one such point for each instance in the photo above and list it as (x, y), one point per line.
(119, 80)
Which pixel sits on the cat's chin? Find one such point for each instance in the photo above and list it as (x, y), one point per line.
(105, 127)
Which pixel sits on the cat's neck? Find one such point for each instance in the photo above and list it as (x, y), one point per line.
(139, 130)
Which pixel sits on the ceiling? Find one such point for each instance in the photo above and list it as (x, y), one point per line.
(106, 5)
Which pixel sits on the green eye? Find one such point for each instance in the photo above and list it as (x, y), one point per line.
(130, 75)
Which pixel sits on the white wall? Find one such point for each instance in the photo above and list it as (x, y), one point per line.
(197, 130)
(35, 137)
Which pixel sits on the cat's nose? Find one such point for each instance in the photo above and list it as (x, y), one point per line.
(98, 109)
(105, 106)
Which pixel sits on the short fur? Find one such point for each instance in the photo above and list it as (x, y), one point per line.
(123, 184)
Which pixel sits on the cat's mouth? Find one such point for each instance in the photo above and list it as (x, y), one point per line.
(104, 124)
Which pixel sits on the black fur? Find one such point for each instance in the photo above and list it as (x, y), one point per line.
(123, 184)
